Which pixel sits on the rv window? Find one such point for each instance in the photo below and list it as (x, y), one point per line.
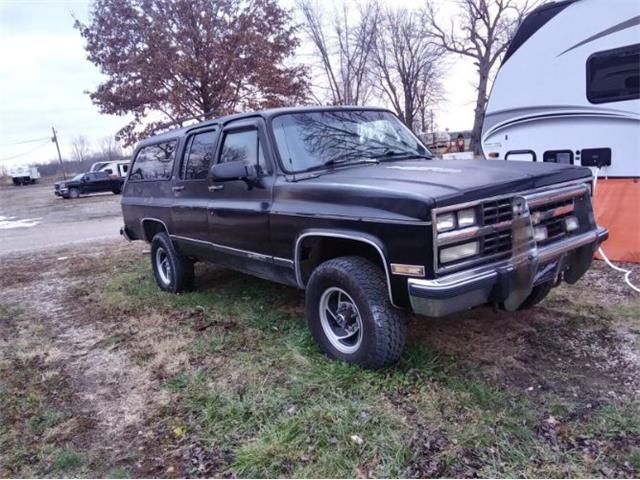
(154, 162)
(558, 156)
(614, 75)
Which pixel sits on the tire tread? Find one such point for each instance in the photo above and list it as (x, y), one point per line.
(389, 321)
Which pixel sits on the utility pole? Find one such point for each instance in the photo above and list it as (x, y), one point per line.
(54, 139)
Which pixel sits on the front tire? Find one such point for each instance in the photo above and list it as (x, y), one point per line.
(74, 193)
(537, 295)
(173, 272)
(350, 315)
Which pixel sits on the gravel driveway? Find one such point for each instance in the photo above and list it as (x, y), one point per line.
(32, 218)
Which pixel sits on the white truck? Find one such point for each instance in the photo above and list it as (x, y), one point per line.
(117, 168)
(23, 175)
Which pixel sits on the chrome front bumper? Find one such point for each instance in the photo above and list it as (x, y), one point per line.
(508, 282)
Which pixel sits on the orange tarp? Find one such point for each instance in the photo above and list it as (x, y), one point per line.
(617, 207)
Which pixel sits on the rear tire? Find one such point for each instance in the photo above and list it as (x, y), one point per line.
(538, 294)
(116, 191)
(173, 272)
(361, 326)
(74, 193)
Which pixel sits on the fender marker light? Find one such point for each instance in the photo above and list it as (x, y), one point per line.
(411, 270)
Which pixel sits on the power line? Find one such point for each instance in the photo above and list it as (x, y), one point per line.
(26, 153)
(25, 141)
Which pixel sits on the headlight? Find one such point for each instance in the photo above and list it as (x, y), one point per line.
(571, 223)
(540, 233)
(466, 217)
(452, 254)
(446, 222)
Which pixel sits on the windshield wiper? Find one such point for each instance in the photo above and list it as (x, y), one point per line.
(350, 161)
(390, 154)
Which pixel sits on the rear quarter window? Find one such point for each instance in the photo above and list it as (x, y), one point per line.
(154, 162)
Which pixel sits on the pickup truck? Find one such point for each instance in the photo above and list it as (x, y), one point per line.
(90, 182)
(347, 204)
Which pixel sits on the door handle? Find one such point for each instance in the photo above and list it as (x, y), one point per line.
(215, 188)
(178, 188)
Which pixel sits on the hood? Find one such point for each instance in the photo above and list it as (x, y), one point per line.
(411, 188)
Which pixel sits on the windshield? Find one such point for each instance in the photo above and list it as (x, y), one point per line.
(311, 140)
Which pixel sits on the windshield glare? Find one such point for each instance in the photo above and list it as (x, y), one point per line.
(311, 140)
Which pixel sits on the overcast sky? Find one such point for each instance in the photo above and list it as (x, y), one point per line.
(44, 75)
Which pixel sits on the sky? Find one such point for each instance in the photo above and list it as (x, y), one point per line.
(44, 77)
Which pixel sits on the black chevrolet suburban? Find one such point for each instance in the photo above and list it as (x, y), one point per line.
(347, 204)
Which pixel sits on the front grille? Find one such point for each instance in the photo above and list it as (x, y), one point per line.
(498, 243)
(495, 227)
(556, 224)
(497, 211)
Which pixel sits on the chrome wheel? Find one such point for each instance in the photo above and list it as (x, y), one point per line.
(163, 266)
(340, 320)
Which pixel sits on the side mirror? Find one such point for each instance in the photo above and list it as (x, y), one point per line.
(85, 179)
(238, 170)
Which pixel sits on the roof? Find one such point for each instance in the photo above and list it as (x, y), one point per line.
(533, 22)
(266, 114)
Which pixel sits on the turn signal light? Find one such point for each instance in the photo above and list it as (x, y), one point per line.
(412, 270)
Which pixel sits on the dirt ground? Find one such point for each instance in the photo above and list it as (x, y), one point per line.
(32, 217)
(88, 374)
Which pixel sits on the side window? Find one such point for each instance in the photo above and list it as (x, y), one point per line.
(244, 146)
(154, 162)
(614, 75)
(199, 156)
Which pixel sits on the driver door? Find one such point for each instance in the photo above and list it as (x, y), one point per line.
(239, 211)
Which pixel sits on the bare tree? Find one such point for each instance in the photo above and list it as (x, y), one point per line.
(482, 32)
(344, 48)
(110, 149)
(80, 148)
(407, 66)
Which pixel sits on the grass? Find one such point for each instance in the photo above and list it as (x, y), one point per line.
(278, 407)
(66, 461)
(255, 397)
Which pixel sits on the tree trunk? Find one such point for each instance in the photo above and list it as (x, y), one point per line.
(481, 102)
(408, 111)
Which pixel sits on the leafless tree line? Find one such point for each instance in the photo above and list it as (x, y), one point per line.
(107, 149)
(81, 154)
(368, 52)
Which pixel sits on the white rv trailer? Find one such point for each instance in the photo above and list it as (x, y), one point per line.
(568, 90)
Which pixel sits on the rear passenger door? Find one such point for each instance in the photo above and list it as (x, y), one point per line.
(102, 182)
(191, 196)
(90, 184)
(239, 213)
